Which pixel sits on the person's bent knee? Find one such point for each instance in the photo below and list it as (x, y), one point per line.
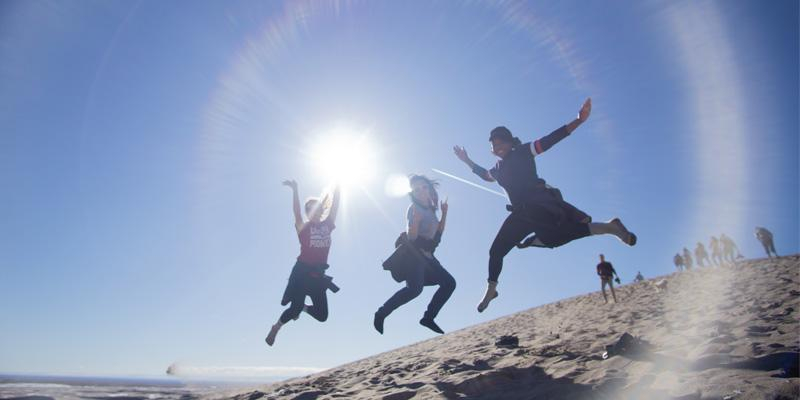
(449, 283)
(296, 308)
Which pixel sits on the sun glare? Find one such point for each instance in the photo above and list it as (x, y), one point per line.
(397, 185)
(344, 157)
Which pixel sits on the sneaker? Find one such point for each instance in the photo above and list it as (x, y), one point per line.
(377, 322)
(272, 334)
(430, 324)
(630, 236)
(491, 294)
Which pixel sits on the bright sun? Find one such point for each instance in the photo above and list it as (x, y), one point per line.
(345, 157)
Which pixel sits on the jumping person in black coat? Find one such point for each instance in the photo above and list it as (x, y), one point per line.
(535, 206)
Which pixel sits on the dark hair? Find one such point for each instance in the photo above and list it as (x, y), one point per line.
(323, 204)
(432, 184)
(502, 133)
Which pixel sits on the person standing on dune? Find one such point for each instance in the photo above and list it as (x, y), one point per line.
(606, 273)
(700, 255)
(728, 249)
(765, 237)
(536, 208)
(687, 259)
(716, 251)
(678, 260)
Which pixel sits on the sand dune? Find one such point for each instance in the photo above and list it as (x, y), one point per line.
(716, 333)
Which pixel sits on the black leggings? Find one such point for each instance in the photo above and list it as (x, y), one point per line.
(416, 278)
(517, 227)
(319, 309)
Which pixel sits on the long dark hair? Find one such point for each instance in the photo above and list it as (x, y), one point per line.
(432, 185)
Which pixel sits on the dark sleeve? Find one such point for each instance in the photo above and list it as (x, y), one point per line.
(545, 143)
(492, 172)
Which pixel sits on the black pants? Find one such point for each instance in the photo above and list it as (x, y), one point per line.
(416, 279)
(319, 309)
(769, 245)
(518, 226)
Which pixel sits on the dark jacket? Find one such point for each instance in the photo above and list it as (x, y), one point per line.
(307, 278)
(407, 254)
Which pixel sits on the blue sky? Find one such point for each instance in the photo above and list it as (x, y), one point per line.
(142, 146)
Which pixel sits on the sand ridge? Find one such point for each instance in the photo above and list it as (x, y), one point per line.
(716, 333)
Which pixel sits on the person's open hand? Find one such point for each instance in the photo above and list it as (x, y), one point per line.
(461, 153)
(586, 109)
(290, 183)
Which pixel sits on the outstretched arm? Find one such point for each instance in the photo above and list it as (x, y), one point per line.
(444, 206)
(461, 153)
(298, 217)
(334, 204)
(545, 143)
(413, 223)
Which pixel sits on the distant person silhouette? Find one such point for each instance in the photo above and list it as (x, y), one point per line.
(687, 259)
(678, 261)
(606, 273)
(729, 247)
(639, 277)
(716, 251)
(536, 208)
(417, 265)
(765, 237)
(700, 255)
(308, 274)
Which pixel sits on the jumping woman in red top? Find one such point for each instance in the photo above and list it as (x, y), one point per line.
(308, 275)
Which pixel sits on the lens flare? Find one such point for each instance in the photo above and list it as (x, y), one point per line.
(344, 157)
(397, 185)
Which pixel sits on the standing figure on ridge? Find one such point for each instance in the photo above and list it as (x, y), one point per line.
(765, 237)
(687, 259)
(728, 249)
(700, 254)
(678, 260)
(716, 251)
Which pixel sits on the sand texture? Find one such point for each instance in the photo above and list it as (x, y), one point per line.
(714, 333)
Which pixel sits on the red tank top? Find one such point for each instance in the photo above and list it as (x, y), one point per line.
(315, 242)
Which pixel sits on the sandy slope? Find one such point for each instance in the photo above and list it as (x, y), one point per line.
(700, 327)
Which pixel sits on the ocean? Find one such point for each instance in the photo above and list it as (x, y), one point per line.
(30, 387)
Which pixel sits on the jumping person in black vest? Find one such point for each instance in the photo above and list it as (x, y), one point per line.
(535, 206)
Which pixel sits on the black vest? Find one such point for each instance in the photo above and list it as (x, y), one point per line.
(517, 175)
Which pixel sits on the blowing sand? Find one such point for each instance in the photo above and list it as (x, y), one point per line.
(715, 333)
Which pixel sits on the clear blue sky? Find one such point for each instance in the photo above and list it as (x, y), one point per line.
(142, 146)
